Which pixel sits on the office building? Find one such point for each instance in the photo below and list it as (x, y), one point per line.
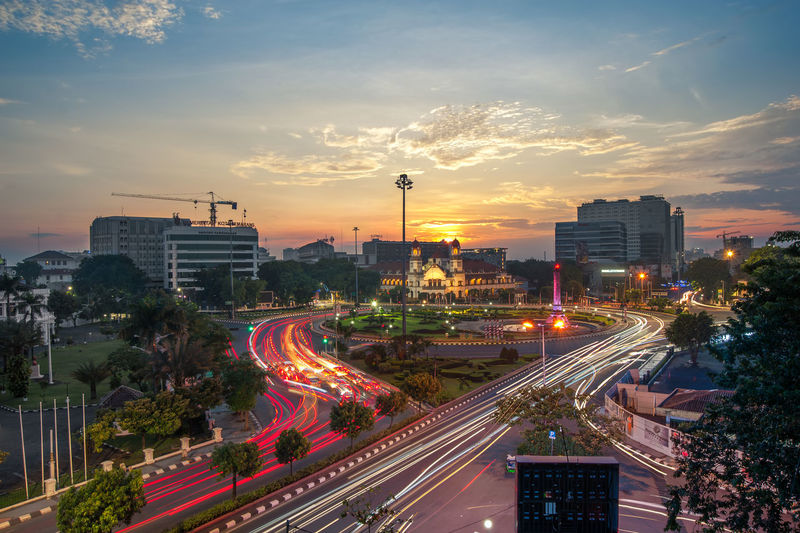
(678, 244)
(595, 242)
(312, 252)
(140, 238)
(187, 249)
(378, 251)
(493, 256)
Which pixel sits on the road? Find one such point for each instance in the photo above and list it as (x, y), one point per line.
(436, 476)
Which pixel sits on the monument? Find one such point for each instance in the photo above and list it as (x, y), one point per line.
(557, 318)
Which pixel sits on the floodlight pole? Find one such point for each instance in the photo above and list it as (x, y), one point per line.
(404, 184)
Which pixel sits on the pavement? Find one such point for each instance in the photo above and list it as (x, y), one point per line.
(232, 431)
(680, 373)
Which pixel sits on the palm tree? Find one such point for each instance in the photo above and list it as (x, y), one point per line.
(185, 359)
(34, 305)
(91, 374)
(10, 285)
(16, 338)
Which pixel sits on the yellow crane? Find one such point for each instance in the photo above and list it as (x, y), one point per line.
(213, 202)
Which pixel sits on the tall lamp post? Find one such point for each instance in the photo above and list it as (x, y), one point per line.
(355, 230)
(404, 184)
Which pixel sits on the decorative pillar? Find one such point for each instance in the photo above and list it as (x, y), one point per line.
(217, 434)
(185, 446)
(148, 456)
(107, 465)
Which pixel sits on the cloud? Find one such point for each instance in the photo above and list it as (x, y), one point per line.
(606, 67)
(755, 154)
(76, 20)
(517, 193)
(311, 169)
(460, 136)
(45, 235)
(669, 49)
(637, 67)
(211, 13)
(366, 137)
(7, 101)
(786, 199)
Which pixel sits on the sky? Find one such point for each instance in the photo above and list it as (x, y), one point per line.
(506, 115)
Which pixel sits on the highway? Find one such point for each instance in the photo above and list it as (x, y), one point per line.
(426, 473)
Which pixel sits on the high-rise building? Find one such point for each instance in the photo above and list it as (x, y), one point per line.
(678, 244)
(140, 238)
(187, 249)
(312, 252)
(378, 251)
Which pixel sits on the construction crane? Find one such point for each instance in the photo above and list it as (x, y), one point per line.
(725, 235)
(213, 202)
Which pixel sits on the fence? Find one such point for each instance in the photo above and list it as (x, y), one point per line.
(655, 436)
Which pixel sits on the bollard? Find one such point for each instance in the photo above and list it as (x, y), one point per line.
(148, 456)
(184, 446)
(49, 487)
(107, 465)
(217, 434)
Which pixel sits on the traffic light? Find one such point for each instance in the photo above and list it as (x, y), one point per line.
(250, 327)
(324, 339)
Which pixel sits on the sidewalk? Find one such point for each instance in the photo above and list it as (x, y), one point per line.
(231, 432)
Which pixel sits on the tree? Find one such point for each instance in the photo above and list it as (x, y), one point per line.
(19, 375)
(237, 459)
(63, 305)
(543, 410)
(689, 332)
(660, 303)
(374, 355)
(108, 499)
(748, 442)
(153, 416)
(102, 430)
(108, 272)
(510, 355)
(90, 373)
(391, 404)
(29, 271)
(350, 418)
(34, 304)
(707, 274)
(16, 338)
(202, 396)
(184, 359)
(422, 387)
(290, 446)
(242, 382)
(10, 286)
(131, 360)
(365, 511)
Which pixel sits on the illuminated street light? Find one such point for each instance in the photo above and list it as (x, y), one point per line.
(487, 524)
(729, 254)
(404, 184)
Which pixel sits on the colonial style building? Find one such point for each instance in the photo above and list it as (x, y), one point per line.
(446, 276)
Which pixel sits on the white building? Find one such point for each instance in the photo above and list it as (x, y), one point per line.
(16, 309)
(57, 268)
(188, 249)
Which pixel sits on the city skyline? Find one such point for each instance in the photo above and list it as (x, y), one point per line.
(507, 117)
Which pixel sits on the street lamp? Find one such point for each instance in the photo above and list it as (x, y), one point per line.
(404, 184)
(355, 230)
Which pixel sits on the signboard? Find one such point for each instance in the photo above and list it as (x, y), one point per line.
(552, 435)
(579, 495)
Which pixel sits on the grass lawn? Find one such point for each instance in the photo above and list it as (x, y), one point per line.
(65, 360)
(459, 376)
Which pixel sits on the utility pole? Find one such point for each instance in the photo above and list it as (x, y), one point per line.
(233, 305)
(404, 184)
(355, 229)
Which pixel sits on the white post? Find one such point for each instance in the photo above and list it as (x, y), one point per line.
(24, 461)
(49, 355)
(69, 442)
(85, 467)
(41, 439)
(544, 361)
(55, 424)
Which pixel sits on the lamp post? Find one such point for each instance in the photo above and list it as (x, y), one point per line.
(355, 230)
(233, 305)
(404, 184)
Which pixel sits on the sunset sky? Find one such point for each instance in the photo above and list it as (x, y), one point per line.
(506, 115)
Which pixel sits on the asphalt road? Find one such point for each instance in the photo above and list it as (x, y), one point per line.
(449, 475)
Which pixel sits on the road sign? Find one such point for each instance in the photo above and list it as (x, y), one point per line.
(552, 435)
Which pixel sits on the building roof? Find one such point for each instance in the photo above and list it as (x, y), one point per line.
(694, 401)
(49, 254)
(116, 398)
(476, 265)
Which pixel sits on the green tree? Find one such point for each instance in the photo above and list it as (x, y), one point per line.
(242, 382)
(291, 446)
(108, 272)
(350, 418)
(542, 410)
(133, 361)
(33, 304)
(237, 459)
(660, 303)
(153, 416)
(105, 501)
(391, 404)
(90, 373)
(366, 510)
(749, 441)
(29, 271)
(422, 386)
(102, 430)
(10, 286)
(16, 338)
(64, 306)
(510, 355)
(202, 396)
(708, 274)
(19, 375)
(689, 332)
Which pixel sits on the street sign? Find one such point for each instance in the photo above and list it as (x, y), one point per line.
(552, 435)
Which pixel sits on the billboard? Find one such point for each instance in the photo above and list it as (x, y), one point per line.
(579, 494)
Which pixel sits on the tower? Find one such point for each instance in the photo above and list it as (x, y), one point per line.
(456, 264)
(415, 262)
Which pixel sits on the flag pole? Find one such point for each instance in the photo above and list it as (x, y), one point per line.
(83, 408)
(24, 461)
(69, 442)
(55, 424)
(41, 440)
